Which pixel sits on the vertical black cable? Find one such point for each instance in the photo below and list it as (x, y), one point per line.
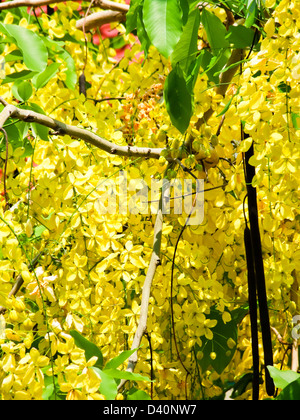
(259, 267)
(253, 313)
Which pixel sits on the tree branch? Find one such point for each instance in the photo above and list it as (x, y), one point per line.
(154, 263)
(104, 4)
(100, 18)
(113, 12)
(60, 128)
(30, 3)
(111, 5)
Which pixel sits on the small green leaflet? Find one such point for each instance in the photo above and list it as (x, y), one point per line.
(71, 75)
(17, 76)
(38, 130)
(22, 90)
(296, 120)
(137, 394)
(118, 360)
(290, 392)
(17, 138)
(283, 378)
(89, 348)
(41, 79)
(108, 386)
(178, 99)
(288, 381)
(163, 24)
(227, 106)
(221, 333)
(141, 32)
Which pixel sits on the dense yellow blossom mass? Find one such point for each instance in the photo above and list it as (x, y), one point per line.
(92, 263)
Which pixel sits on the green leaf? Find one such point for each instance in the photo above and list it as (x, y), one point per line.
(13, 134)
(193, 73)
(219, 344)
(34, 52)
(39, 131)
(137, 394)
(215, 31)
(17, 138)
(38, 230)
(71, 75)
(251, 13)
(89, 348)
(163, 23)
(185, 8)
(186, 49)
(240, 36)
(22, 90)
(41, 79)
(296, 121)
(227, 106)
(108, 386)
(117, 361)
(123, 374)
(283, 378)
(212, 64)
(132, 15)
(178, 99)
(141, 32)
(291, 392)
(48, 391)
(20, 75)
(15, 55)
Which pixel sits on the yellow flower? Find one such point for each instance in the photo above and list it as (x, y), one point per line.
(41, 283)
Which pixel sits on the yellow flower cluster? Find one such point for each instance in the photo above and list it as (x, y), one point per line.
(92, 265)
